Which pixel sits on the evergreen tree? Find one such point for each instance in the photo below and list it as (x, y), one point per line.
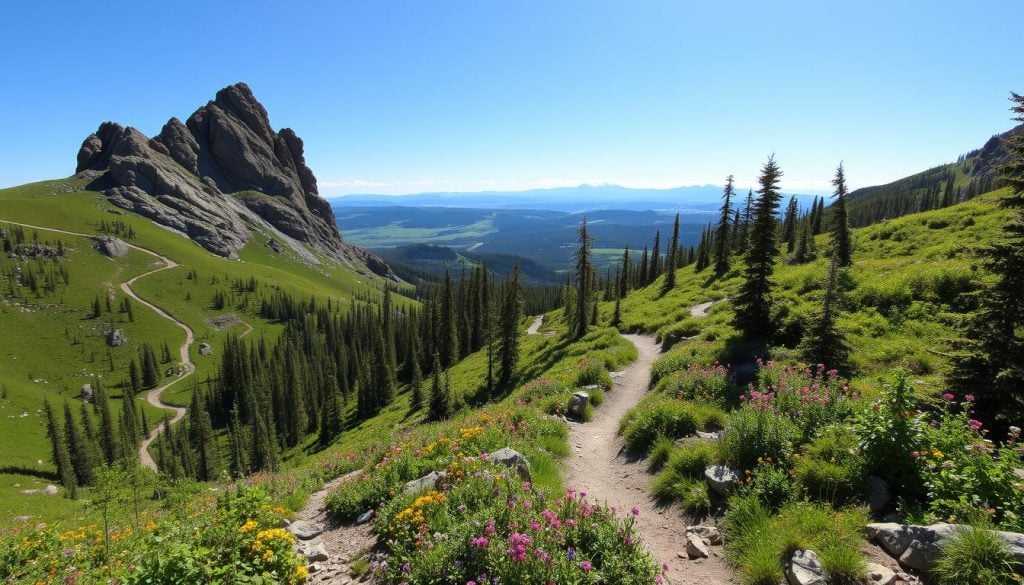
(416, 383)
(841, 239)
(150, 369)
(823, 342)
(449, 325)
(703, 259)
(641, 276)
(655, 267)
(748, 217)
(789, 224)
(508, 325)
(440, 406)
(805, 247)
(989, 359)
(97, 305)
(722, 241)
(134, 378)
(622, 280)
(59, 451)
(672, 260)
(818, 219)
(78, 449)
(584, 282)
(753, 304)
(332, 419)
(108, 433)
(204, 443)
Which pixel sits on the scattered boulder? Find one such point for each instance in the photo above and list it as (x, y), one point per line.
(49, 490)
(917, 547)
(878, 494)
(110, 246)
(711, 436)
(116, 338)
(880, 575)
(695, 547)
(87, 392)
(805, 568)
(274, 245)
(578, 403)
(512, 458)
(709, 533)
(427, 482)
(365, 517)
(314, 551)
(305, 530)
(205, 349)
(721, 479)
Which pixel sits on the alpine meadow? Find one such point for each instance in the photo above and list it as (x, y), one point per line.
(405, 348)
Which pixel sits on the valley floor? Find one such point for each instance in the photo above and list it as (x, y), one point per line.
(600, 465)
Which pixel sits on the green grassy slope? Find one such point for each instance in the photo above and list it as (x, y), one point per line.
(51, 346)
(908, 273)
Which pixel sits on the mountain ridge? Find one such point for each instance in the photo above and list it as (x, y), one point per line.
(218, 177)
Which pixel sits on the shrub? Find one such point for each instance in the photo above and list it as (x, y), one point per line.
(975, 555)
(831, 469)
(709, 384)
(811, 397)
(353, 498)
(890, 430)
(660, 452)
(653, 418)
(693, 458)
(758, 543)
(754, 433)
(591, 371)
(596, 396)
(771, 485)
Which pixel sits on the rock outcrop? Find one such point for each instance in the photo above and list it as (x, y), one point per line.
(216, 176)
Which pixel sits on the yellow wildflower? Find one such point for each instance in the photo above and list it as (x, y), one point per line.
(249, 526)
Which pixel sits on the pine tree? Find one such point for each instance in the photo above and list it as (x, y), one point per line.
(108, 432)
(97, 306)
(150, 369)
(672, 260)
(59, 452)
(841, 239)
(805, 246)
(655, 267)
(449, 325)
(823, 342)
(722, 241)
(440, 407)
(989, 359)
(789, 224)
(703, 255)
(508, 326)
(623, 280)
(819, 217)
(753, 304)
(332, 419)
(78, 449)
(748, 217)
(416, 381)
(641, 276)
(204, 443)
(134, 378)
(584, 281)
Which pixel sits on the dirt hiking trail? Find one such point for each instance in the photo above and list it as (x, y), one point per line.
(599, 465)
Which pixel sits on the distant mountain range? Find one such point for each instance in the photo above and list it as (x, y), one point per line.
(584, 198)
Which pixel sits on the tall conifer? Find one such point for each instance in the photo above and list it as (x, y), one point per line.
(753, 302)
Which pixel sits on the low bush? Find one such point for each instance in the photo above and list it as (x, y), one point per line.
(592, 371)
(975, 555)
(753, 433)
(691, 459)
(770, 484)
(708, 384)
(656, 417)
(758, 543)
(660, 452)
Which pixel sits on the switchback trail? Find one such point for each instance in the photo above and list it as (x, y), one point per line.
(600, 466)
(187, 367)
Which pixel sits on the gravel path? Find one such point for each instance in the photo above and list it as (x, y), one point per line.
(600, 466)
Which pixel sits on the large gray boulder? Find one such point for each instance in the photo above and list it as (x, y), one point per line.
(116, 338)
(578, 404)
(805, 568)
(111, 247)
(917, 547)
(215, 176)
(512, 458)
(427, 482)
(305, 530)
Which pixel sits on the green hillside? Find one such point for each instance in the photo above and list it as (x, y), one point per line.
(53, 345)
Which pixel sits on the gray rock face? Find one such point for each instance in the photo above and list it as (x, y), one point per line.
(514, 459)
(709, 533)
(112, 247)
(205, 349)
(805, 568)
(365, 517)
(210, 176)
(721, 479)
(87, 392)
(116, 338)
(427, 482)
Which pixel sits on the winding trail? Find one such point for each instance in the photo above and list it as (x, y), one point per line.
(534, 328)
(187, 367)
(600, 466)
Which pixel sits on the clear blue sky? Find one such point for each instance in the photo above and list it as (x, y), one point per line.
(410, 96)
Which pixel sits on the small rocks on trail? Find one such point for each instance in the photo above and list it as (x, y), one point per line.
(305, 530)
(695, 547)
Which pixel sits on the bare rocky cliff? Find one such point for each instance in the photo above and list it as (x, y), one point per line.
(217, 176)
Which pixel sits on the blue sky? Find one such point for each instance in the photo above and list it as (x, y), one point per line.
(411, 96)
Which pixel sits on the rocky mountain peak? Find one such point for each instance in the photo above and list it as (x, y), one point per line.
(218, 175)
